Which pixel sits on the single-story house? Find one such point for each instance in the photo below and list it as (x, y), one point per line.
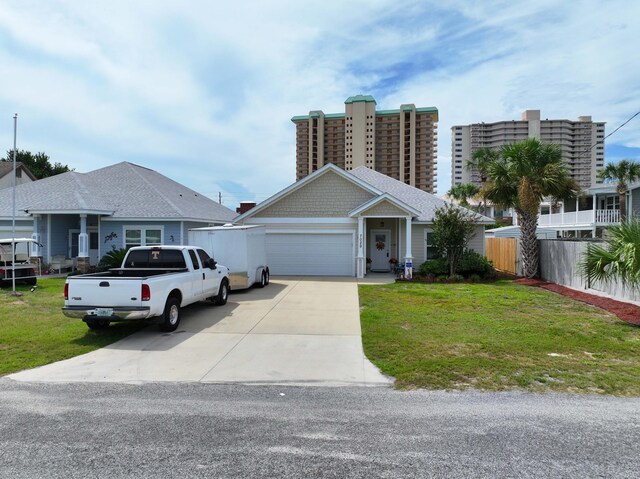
(333, 222)
(81, 216)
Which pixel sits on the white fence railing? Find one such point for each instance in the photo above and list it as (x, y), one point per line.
(586, 217)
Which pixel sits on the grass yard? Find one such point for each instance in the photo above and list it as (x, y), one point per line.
(497, 336)
(34, 332)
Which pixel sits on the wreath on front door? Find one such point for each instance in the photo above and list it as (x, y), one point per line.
(380, 245)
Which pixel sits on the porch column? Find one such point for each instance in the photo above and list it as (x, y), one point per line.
(594, 216)
(35, 248)
(83, 238)
(83, 246)
(408, 259)
(360, 260)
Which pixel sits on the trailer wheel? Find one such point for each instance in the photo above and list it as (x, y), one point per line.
(97, 324)
(171, 315)
(223, 293)
(263, 280)
(266, 277)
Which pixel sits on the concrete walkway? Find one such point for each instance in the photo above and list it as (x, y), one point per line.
(294, 331)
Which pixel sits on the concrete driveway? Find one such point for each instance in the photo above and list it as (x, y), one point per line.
(294, 331)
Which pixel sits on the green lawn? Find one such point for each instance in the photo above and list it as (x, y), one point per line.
(34, 332)
(497, 336)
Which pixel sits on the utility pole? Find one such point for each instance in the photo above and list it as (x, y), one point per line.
(220, 197)
(13, 215)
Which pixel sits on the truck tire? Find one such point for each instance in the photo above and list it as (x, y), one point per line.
(266, 277)
(223, 293)
(171, 315)
(263, 280)
(97, 324)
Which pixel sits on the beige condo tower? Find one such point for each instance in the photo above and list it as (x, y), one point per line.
(581, 142)
(399, 143)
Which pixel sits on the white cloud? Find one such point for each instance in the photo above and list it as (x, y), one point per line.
(203, 91)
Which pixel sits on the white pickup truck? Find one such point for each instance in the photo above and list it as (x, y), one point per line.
(153, 282)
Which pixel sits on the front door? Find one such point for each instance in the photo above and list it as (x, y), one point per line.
(379, 250)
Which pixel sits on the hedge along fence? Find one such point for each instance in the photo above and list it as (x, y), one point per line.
(559, 263)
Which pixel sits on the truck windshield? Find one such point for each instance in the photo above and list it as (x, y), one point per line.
(155, 258)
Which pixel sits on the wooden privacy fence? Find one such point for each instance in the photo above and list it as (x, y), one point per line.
(504, 254)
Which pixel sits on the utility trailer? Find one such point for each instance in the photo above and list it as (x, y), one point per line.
(241, 248)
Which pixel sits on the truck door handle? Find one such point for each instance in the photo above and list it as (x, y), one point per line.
(104, 284)
(203, 277)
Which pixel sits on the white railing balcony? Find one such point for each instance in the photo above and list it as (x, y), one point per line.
(607, 216)
(582, 218)
(571, 218)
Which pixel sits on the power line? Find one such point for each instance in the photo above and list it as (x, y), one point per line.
(602, 141)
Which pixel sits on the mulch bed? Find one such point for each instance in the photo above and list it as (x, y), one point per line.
(625, 311)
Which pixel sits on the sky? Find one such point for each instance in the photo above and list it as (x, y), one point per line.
(203, 92)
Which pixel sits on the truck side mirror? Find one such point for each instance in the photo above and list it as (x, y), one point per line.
(211, 263)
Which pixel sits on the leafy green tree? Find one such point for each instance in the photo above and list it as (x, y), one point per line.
(463, 192)
(39, 164)
(624, 172)
(618, 259)
(519, 177)
(452, 230)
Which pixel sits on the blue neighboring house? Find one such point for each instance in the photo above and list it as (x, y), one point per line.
(81, 216)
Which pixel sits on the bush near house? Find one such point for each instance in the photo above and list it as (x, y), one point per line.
(471, 264)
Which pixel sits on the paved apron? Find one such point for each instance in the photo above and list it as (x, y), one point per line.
(294, 331)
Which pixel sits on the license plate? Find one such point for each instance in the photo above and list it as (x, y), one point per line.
(104, 311)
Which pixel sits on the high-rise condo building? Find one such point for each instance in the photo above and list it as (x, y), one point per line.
(581, 142)
(399, 143)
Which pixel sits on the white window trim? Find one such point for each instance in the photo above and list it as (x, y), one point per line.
(426, 246)
(143, 230)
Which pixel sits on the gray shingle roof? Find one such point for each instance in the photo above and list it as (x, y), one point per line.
(424, 202)
(129, 190)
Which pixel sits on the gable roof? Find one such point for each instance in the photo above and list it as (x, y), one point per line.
(419, 203)
(6, 167)
(385, 197)
(123, 190)
(307, 179)
(422, 201)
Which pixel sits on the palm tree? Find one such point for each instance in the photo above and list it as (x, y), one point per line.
(619, 259)
(519, 177)
(463, 192)
(624, 172)
(480, 161)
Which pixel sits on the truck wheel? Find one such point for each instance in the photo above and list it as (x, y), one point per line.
(97, 323)
(171, 315)
(223, 293)
(263, 280)
(266, 277)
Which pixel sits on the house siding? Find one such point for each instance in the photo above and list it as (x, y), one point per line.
(60, 226)
(112, 232)
(192, 224)
(384, 208)
(329, 195)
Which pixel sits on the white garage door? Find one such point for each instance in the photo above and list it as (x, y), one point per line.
(322, 254)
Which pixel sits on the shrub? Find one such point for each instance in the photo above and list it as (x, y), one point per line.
(435, 267)
(473, 263)
(456, 278)
(112, 259)
(474, 278)
(442, 278)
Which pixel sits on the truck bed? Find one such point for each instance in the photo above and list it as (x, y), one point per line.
(139, 273)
